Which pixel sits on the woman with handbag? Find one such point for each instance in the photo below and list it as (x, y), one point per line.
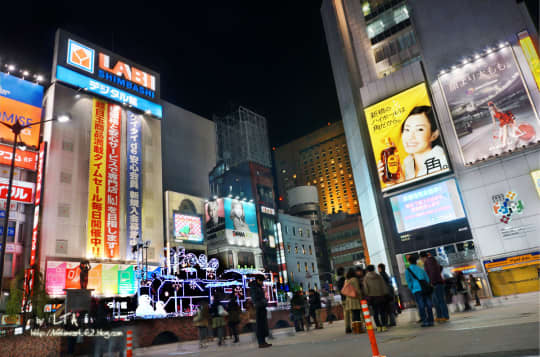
(353, 306)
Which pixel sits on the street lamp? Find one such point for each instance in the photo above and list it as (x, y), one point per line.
(16, 130)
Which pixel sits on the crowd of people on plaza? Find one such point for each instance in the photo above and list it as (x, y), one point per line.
(427, 285)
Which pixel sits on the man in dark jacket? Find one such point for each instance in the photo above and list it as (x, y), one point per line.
(259, 301)
(433, 270)
(391, 303)
(315, 308)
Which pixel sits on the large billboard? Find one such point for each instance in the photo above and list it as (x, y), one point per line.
(82, 64)
(427, 206)
(406, 139)
(238, 219)
(186, 218)
(241, 223)
(490, 107)
(20, 101)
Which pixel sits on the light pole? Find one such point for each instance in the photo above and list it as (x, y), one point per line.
(16, 130)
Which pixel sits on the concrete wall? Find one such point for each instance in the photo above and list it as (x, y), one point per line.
(65, 192)
(189, 151)
(465, 28)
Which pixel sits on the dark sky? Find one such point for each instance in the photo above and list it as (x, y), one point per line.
(268, 56)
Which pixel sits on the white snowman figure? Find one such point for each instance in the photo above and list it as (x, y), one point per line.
(144, 308)
(160, 309)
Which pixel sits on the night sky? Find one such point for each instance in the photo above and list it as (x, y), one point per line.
(212, 56)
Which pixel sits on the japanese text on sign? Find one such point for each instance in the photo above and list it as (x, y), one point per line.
(133, 196)
(112, 236)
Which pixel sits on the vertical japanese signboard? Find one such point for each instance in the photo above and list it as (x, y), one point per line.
(112, 236)
(531, 54)
(133, 187)
(39, 181)
(97, 174)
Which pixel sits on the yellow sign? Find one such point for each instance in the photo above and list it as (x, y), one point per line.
(536, 180)
(515, 281)
(97, 180)
(531, 54)
(513, 262)
(405, 138)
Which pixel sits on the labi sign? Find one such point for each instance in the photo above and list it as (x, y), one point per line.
(82, 64)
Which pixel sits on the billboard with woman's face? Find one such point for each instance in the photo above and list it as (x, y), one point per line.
(490, 107)
(241, 222)
(405, 137)
(214, 216)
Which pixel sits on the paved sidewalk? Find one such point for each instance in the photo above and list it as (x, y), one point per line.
(504, 328)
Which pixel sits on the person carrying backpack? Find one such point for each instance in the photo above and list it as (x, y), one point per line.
(418, 283)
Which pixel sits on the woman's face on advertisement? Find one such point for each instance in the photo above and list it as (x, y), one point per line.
(238, 210)
(417, 135)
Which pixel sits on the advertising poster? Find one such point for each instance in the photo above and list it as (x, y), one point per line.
(23, 159)
(109, 279)
(97, 179)
(405, 137)
(112, 226)
(134, 182)
(55, 280)
(531, 54)
(490, 107)
(73, 271)
(535, 175)
(241, 223)
(94, 278)
(215, 216)
(20, 101)
(187, 228)
(427, 206)
(21, 191)
(192, 206)
(126, 280)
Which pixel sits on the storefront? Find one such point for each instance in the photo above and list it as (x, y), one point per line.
(514, 274)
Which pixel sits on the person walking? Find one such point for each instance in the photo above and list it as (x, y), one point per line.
(376, 290)
(340, 281)
(329, 300)
(391, 297)
(433, 270)
(462, 289)
(413, 275)
(315, 308)
(202, 321)
(297, 311)
(354, 295)
(233, 320)
(259, 301)
(475, 288)
(218, 313)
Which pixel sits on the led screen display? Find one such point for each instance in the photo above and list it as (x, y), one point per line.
(427, 206)
(187, 228)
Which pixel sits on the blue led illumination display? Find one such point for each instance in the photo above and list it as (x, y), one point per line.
(91, 85)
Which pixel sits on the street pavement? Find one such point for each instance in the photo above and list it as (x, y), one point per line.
(500, 328)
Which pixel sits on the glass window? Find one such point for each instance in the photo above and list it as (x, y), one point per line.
(310, 251)
(8, 265)
(296, 250)
(298, 266)
(303, 249)
(313, 267)
(292, 276)
(288, 248)
(11, 231)
(305, 266)
(293, 231)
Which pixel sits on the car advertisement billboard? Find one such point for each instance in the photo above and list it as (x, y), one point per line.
(187, 228)
(20, 101)
(406, 139)
(241, 223)
(490, 107)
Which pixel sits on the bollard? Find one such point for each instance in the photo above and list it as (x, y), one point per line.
(369, 328)
(129, 343)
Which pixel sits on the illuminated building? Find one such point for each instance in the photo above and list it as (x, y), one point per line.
(474, 237)
(319, 159)
(346, 241)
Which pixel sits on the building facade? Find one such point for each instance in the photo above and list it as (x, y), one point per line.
(462, 78)
(242, 135)
(304, 203)
(346, 242)
(319, 159)
(298, 251)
